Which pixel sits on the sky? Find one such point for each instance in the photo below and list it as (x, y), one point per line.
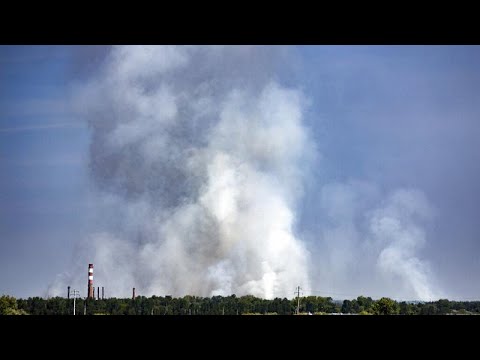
(394, 132)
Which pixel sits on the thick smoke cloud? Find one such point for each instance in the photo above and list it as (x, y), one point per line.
(198, 161)
(197, 156)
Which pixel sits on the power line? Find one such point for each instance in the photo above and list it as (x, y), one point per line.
(298, 300)
(75, 293)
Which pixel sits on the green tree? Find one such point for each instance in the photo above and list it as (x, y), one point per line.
(429, 309)
(8, 306)
(407, 309)
(7, 303)
(347, 307)
(385, 306)
(364, 304)
(443, 306)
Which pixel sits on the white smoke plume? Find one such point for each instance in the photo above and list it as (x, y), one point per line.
(197, 156)
(396, 229)
(371, 244)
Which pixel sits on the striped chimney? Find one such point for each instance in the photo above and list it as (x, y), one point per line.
(91, 289)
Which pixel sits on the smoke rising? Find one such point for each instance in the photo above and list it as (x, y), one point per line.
(396, 229)
(198, 155)
(198, 160)
(371, 242)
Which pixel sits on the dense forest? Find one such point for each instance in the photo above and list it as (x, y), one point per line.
(230, 305)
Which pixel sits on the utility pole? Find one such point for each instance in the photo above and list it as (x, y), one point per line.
(75, 293)
(298, 300)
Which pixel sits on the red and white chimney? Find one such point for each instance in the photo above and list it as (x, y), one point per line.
(91, 289)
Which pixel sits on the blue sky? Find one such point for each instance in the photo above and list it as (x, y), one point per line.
(43, 178)
(408, 116)
(391, 116)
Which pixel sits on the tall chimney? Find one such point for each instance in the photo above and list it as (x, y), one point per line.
(98, 293)
(91, 289)
(68, 292)
(103, 293)
(133, 295)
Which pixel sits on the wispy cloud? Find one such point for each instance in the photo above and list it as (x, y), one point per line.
(35, 107)
(42, 127)
(68, 159)
(14, 54)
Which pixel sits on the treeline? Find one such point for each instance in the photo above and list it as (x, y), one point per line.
(230, 305)
(385, 306)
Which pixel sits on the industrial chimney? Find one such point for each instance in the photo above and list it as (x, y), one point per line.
(133, 294)
(91, 289)
(103, 292)
(98, 293)
(68, 292)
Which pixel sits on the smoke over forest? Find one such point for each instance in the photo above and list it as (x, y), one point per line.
(198, 159)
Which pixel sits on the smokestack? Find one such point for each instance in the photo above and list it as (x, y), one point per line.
(68, 292)
(91, 289)
(133, 295)
(102, 293)
(98, 293)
